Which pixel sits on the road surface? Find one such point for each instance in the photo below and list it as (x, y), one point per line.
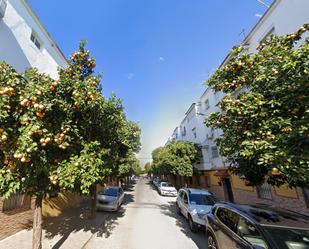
(145, 221)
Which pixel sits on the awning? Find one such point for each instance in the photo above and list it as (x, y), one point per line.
(223, 173)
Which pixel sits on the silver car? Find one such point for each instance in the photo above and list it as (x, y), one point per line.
(194, 204)
(110, 198)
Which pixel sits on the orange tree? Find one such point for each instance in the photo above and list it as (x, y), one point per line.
(56, 134)
(176, 158)
(265, 114)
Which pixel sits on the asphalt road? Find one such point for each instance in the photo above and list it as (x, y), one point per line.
(145, 221)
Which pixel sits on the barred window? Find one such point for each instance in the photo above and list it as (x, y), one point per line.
(264, 191)
(207, 181)
(214, 152)
(306, 195)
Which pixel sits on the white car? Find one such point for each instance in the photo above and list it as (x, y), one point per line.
(166, 188)
(110, 198)
(194, 204)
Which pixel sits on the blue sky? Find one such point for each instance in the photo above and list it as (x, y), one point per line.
(154, 54)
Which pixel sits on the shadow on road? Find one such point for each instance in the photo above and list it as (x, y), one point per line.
(198, 238)
(74, 220)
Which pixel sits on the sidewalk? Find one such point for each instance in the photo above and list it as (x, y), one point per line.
(15, 221)
(72, 229)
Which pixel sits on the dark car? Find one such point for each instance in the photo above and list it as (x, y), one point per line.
(230, 226)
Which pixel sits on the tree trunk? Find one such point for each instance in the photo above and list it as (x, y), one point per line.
(37, 224)
(175, 182)
(93, 191)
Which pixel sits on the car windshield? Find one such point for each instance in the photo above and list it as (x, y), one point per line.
(166, 184)
(202, 199)
(110, 192)
(289, 238)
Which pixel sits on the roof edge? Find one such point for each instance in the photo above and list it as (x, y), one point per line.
(40, 24)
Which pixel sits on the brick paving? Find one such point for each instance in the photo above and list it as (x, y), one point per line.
(15, 221)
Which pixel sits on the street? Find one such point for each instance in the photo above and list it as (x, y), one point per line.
(146, 220)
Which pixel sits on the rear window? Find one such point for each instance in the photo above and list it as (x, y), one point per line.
(289, 238)
(166, 184)
(110, 192)
(202, 199)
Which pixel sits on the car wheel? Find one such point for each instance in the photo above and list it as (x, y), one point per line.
(192, 225)
(211, 242)
(178, 209)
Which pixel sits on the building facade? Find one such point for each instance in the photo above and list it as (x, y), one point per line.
(24, 40)
(282, 17)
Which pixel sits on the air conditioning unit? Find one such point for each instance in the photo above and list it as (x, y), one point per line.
(3, 4)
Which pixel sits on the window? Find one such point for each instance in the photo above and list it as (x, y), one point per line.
(264, 191)
(34, 38)
(214, 152)
(271, 31)
(184, 131)
(185, 198)
(194, 132)
(228, 218)
(206, 104)
(247, 231)
(207, 181)
(306, 195)
(289, 238)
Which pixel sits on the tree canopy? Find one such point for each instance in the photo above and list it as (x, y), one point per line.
(60, 134)
(176, 158)
(265, 113)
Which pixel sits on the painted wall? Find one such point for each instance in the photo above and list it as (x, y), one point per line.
(53, 207)
(286, 17)
(18, 50)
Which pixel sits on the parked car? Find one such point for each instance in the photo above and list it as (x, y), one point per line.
(231, 226)
(110, 198)
(166, 188)
(156, 181)
(194, 204)
(151, 178)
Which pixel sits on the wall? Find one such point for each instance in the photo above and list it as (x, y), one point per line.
(53, 207)
(18, 50)
(296, 204)
(286, 16)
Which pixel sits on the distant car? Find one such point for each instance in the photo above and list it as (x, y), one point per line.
(194, 204)
(166, 188)
(150, 179)
(259, 227)
(110, 198)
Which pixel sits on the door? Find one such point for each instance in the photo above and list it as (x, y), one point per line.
(228, 192)
(121, 196)
(185, 205)
(226, 233)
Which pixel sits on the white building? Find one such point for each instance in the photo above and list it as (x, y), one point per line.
(282, 17)
(24, 42)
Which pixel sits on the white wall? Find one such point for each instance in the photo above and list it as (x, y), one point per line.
(286, 17)
(18, 50)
